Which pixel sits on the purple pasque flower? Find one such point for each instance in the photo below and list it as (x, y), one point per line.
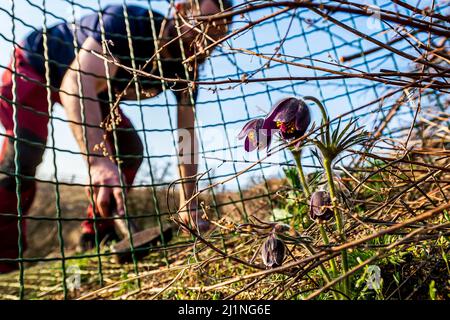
(320, 206)
(273, 251)
(254, 135)
(290, 118)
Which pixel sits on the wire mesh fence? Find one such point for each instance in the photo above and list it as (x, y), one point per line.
(154, 82)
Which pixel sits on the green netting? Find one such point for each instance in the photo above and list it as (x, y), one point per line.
(291, 51)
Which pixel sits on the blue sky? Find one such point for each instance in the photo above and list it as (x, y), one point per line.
(306, 36)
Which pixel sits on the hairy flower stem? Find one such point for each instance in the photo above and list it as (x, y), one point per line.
(333, 265)
(323, 111)
(298, 161)
(324, 270)
(339, 222)
(323, 232)
(326, 241)
(320, 105)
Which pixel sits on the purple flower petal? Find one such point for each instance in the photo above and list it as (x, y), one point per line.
(269, 141)
(269, 125)
(265, 133)
(250, 144)
(273, 252)
(303, 119)
(254, 124)
(263, 138)
(319, 207)
(276, 109)
(287, 110)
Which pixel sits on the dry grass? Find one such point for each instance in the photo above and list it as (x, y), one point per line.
(189, 270)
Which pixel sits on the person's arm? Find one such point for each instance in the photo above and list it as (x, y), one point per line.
(187, 146)
(188, 162)
(103, 171)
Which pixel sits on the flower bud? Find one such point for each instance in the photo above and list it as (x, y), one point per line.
(272, 252)
(320, 207)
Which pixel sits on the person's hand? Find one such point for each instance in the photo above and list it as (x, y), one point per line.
(105, 172)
